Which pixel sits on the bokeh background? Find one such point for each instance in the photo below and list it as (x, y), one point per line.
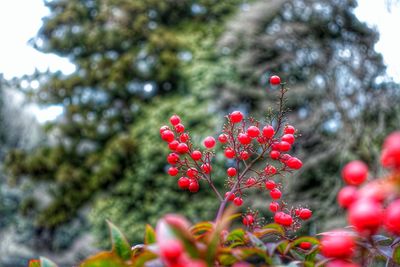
(84, 91)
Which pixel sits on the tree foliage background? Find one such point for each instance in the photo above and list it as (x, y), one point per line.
(138, 62)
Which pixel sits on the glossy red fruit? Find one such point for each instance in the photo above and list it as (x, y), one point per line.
(275, 80)
(167, 136)
(284, 146)
(223, 138)
(184, 137)
(206, 168)
(248, 220)
(392, 217)
(250, 182)
(179, 128)
(173, 171)
(163, 128)
(390, 156)
(274, 206)
(268, 131)
(229, 153)
(270, 170)
(171, 250)
(338, 244)
(346, 196)
(183, 182)
(275, 193)
(244, 155)
(174, 120)
(274, 154)
(305, 214)
(244, 139)
(194, 186)
(374, 191)
(231, 172)
(305, 245)
(283, 218)
(229, 196)
(173, 145)
(366, 216)
(238, 201)
(289, 129)
(288, 138)
(209, 142)
(173, 158)
(192, 172)
(236, 116)
(196, 155)
(294, 163)
(341, 263)
(269, 184)
(285, 158)
(355, 172)
(253, 131)
(182, 148)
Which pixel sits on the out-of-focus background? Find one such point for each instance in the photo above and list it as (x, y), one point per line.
(86, 84)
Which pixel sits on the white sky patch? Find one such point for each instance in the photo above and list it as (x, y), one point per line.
(20, 20)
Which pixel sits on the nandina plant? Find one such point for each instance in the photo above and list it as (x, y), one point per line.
(257, 154)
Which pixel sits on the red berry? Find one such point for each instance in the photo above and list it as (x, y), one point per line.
(196, 155)
(305, 245)
(229, 153)
(194, 186)
(238, 201)
(268, 131)
(374, 191)
(288, 138)
(284, 146)
(183, 182)
(341, 263)
(250, 182)
(289, 129)
(355, 172)
(171, 250)
(206, 168)
(274, 154)
(173, 158)
(173, 171)
(184, 137)
(236, 116)
(366, 216)
(337, 244)
(209, 142)
(244, 139)
(192, 172)
(275, 80)
(275, 146)
(261, 139)
(283, 218)
(179, 128)
(182, 148)
(229, 196)
(346, 196)
(163, 128)
(231, 172)
(173, 145)
(274, 206)
(253, 131)
(248, 220)
(270, 170)
(275, 193)
(390, 156)
(167, 136)
(269, 184)
(284, 158)
(223, 138)
(244, 155)
(294, 163)
(305, 214)
(392, 217)
(174, 120)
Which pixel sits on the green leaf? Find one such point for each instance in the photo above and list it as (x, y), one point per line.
(34, 263)
(143, 258)
(237, 236)
(104, 259)
(201, 228)
(119, 243)
(46, 263)
(150, 235)
(396, 255)
(309, 239)
(256, 242)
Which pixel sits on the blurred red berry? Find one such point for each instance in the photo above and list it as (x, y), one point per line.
(283, 218)
(305, 245)
(192, 172)
(250, 182)
(196, 155)
(206, 168)
(355, 172)
(275, 193)
(163, 128)
(269, 184)
(223, 138)
(268, 131)
(338, 244)
(305, 214)
(274, 154)
(270, 170)
(248, 220)
(244, 139)
(229, 196)
(284, 146)
(366, 216)
(179, 128)
(173, 145)
(289, 129)
(167, 136)
(182, 148)
(174, 120)
(209, 142)
(244, 155)
(231, 172)
(171, 250)
(274, 206)
(173, 171)
(294, 163)
(236, 116)
(275, 80)
(341, 263)
(390, 156)
(253, 131)
(229, 153)
(392, 217)
(194, 186)
(183, 182)
(184, 137)
(238, 201)
(173, 158)
(288, 138)
(346, 196)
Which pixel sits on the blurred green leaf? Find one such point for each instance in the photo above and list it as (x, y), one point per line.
(396, 254)
(104, 259)
(150, 235)
(119, 243)
(34, 263)
(46, 263)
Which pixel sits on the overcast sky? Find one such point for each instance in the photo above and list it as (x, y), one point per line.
(21, 19)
